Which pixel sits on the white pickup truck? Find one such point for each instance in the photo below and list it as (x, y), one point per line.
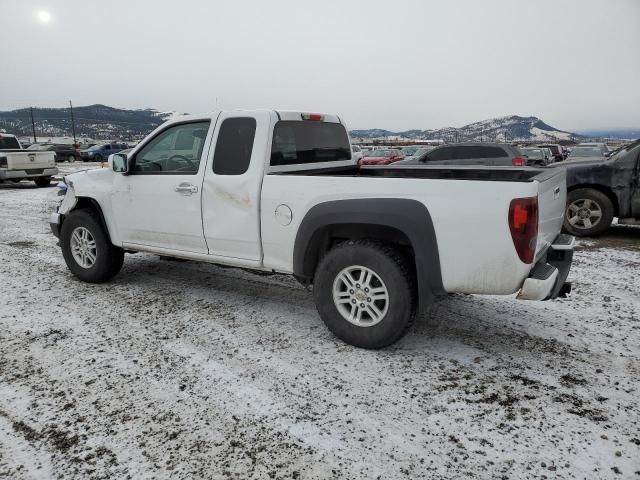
(279, 191)
(17, 164)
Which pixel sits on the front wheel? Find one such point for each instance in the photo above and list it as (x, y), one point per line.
(364, 292)
(87, 249)
(42, 181)
(71, 158)
(588, 212)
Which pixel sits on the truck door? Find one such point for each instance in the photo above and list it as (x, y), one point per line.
(635, 187)
(158, 203)
(232, 185)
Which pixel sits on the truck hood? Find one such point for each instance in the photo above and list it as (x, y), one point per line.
(87, 177)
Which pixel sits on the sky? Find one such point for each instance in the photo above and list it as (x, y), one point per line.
(397, 65)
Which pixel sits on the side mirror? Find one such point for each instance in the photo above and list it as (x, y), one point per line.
(119, 162)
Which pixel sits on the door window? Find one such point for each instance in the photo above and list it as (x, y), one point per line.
(176, 150)
(445, 153)
(234, 146)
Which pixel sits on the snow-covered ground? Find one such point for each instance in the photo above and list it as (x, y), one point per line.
(186, 370)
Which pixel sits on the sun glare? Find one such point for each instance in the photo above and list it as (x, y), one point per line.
(44, 16)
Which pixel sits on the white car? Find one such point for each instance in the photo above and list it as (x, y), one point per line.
(357, 153)
(280, 191)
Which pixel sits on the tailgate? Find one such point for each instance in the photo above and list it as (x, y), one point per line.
(552, 198)
(30, 160)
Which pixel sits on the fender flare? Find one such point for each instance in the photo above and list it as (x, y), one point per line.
(410, 217)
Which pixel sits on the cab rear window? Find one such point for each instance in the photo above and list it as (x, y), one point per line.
(8, 143)
(304, 142)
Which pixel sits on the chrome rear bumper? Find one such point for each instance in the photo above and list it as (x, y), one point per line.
(548, 278)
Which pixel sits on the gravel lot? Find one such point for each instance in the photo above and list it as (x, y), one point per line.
(187, 370)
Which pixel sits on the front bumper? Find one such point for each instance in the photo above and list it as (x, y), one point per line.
(548, 278)
(54, 223)
(33, 173)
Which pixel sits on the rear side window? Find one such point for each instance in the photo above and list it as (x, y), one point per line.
(479, 151)
(302, 142)
(234, 146)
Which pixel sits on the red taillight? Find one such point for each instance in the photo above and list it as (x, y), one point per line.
(519, 161)
(523, 223)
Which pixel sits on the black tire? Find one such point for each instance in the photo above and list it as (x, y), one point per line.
(71, 158)
(109, 258)
(395, 273)
(598, 201)
(97, 158)
(42, 181)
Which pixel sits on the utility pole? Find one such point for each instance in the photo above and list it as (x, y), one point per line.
(73, 124)
(33, 126)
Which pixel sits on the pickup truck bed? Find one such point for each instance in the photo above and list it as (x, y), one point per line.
(279, 191)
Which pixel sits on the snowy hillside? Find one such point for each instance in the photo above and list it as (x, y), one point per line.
(507, 128)
(93, 121)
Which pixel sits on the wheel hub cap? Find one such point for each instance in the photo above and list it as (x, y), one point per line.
(83, 247)
(584, 213)
(360, 296)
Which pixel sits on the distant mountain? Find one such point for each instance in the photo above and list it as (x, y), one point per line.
(498, 129)
(618, 133)
(93, 121)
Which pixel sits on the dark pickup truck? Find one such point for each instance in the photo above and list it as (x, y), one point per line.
(598, 190)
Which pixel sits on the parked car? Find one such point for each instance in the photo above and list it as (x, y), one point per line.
(587, 152)
(99, 153)
(472, 153)
(382, 157)
(602, 188)
(17, 164)
(556, 149)
(415, 151)
(537, 156)
(63, 153)
(280, 192)
(357, 153)
(603, 146)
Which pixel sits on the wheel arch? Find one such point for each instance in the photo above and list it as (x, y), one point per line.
(88, 203)
(404, 223)
(602, 189)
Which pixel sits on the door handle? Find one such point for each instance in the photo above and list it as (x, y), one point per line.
(186, 189)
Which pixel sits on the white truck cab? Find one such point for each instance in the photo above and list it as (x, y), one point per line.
(279, 191)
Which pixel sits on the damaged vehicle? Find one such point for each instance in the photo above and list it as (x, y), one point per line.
(599, 189)
(280, 191)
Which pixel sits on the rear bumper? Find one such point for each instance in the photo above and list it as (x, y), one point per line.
(36, 172)
(548, 278)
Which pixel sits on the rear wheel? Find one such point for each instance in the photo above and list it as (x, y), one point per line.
(42, 181)
(364, 292)
(588, 212)
(87, 249)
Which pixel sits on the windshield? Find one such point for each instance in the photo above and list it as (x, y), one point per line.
(381, 153)
(38, 147)
(95, 147)
(583, 152)
(554, 148)
(410, 150)
(533, 152)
